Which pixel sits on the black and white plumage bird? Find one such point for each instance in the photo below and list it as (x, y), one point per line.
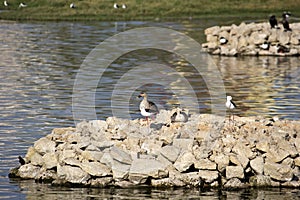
(116, 6)
(5, 3)
(147, 107)
(285, 22)
(273, 21)
(223, 40)
(179, 116)
(230, 104)
(265, 45)
(22, 5)
(124, 6)
(72, 5)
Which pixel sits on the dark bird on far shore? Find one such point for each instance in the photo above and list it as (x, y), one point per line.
(273, 21)
(285, 22)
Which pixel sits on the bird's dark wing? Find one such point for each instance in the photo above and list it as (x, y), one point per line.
(233, 104)
(153, 107)
(173, 117)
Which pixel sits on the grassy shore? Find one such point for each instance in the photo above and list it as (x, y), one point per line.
(141, 9)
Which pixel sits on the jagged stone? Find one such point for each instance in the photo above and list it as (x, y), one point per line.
(72, 174)
(100, 182)
(205, 164)
(278, 172)
(92, 155)
(44, 145)
(50, 160)
(184, 161)
(95, 169)
(208, 176)
(120, 171)
(28, 171)
(170, 152)
(234, 183)
(141, 169)
(257, 164)
(234, 172)
(120, 155)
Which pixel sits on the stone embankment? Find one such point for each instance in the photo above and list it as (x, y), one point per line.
(205, 151)
(255, 39)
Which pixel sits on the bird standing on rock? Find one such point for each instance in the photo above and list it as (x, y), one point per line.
(273, 21)
(147, 107)
(179, 116)
(285, 22)
(230, 105)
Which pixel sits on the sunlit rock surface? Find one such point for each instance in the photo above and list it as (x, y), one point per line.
(205, 151)
(255, 39)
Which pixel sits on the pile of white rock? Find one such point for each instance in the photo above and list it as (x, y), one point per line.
(205, 151)
(253, 39)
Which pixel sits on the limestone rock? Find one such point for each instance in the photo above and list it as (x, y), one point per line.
(234, 172)
(50, 160)
(205, 164)
(170, 152)
(141, 169)
(278, 172)
(28, 171)
(257, 164)
(120, 155)
(95, 169)
(208, 176)
(100, 182)
(184, 161)
(120, 170)
(72, 174)
(44, 145)
(234, 183)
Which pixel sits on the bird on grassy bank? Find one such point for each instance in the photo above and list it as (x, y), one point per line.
(146, 106)
(230, 105)
(5, 3)
(116, 6)
(285, 22)
(124, 6)
(72, 5)
(22, 5)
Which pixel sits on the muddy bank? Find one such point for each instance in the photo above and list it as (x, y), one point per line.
(205, 151)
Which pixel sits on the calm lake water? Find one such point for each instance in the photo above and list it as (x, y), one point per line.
(40, 60)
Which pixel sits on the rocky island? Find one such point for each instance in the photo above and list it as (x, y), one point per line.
(205, 151)
(253, 39)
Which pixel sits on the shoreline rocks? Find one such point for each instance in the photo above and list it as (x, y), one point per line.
(253, 39)
(215, 152)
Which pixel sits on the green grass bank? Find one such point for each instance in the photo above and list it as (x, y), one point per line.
(141, 9)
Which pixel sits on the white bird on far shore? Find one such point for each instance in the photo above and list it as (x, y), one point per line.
(72, 5)
(124, 6)
(116, 6)
(5, 3)
(22, 5)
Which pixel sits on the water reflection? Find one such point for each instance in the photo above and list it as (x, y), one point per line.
(266, 86)
(45, 191)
